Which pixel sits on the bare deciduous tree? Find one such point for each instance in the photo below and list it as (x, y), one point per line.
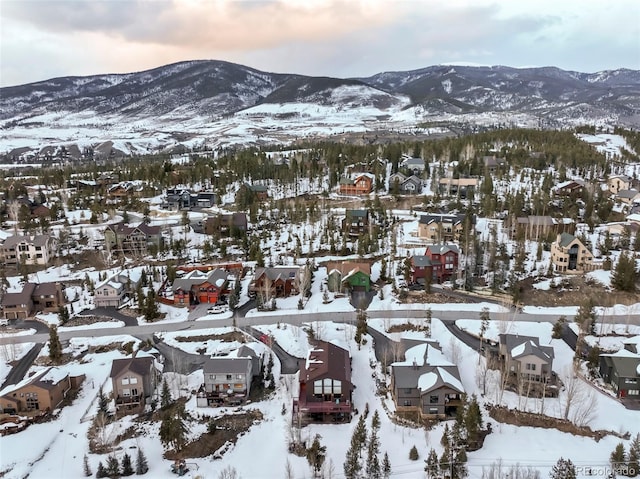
(579, 401)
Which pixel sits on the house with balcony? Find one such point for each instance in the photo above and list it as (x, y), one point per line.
(114, 291)
(569, 255)
(621, 370)
(414, 166)
(426, 382)
(460, 187)
(444, 261)
(355, 222)
(28, 250)
(227, 379)
(276, 282)
(34, 298)
(41, 392)
(201, 287)
(360, 184)
(133, 381)
(420, 268)
(132, 240)
(325, 385)
(440, 228)
(400, 184)
(525, 359)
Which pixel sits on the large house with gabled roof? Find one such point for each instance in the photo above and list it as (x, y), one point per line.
(133, 381)
(198, 287)
(325, 384)
(622, 369)
(569, 255)
(136, 240)
(525, 358)
(444, 261)
(426, 382)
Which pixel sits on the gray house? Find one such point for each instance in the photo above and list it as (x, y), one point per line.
(525, 358)
(622, 369)
(426, 382)
(227, 379)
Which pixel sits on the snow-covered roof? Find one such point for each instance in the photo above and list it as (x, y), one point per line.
(424, 354)
(437, 378)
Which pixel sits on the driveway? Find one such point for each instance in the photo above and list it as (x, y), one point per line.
(20, 369)
(110, 312)
(39, 326)
(288, 364)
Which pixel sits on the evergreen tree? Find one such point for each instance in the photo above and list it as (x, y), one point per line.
(103, 403)
(101, 472)
(173, 429)
(373, 449)
(361, 326)
(624, 275)
(633, 463)
(352, 466)
(586, 317)
(360, 435)
(431, 464)
(618, 458)
(63, 314)
(86, 466)
(151, 311)
(113, 467)
(55, 348)
(386, 466)
(413, 453)
(316, 455)
(141, 463)
(563, 469)
(127, 467)
(165, 395)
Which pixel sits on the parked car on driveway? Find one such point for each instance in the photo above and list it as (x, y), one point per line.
(215, 310)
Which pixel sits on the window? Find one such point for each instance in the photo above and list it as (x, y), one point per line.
(239, 376)
(634, 392)
(630, 380)
(133, 380)
(229, 376)
(433, 410)
(433, 399)
(212, 376)
(407, 390)
(126, 392)
(125, 380)
(406, 402)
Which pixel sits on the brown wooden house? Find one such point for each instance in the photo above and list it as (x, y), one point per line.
(325, 385)
(133, 380)
(278, 282)
(360, 185)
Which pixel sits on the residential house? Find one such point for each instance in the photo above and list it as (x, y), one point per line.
(444, 261)
(569, 255)
(538, 227)
(34, 298)
(401, 184)
(355, 222)
(276, 282)
(135, 240)
(181, 198)
(200, 287)
(226, 224)
(361, 184)
(42, 392)
(617, 183)
(426, 382)
(421, 268)
(460, 187)
(133, 381)
(325, 384)
(227, 379)
(525, 359)
(622, 369)
(568, 188)
(252, 193)
(441, 227)
(493, 163)
(124, 191)
(414, 165)
(113, 291)
(28, 250)
(348, 276)
(628, 197)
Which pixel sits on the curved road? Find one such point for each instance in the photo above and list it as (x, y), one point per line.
(298, 318)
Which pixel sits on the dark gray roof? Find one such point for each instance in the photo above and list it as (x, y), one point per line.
(420, 260)
(35, 240)
(356, 213)
(226, 365)
(216, 277)
(566, 239)
(527, 345)
(276, 273)
(141, 366)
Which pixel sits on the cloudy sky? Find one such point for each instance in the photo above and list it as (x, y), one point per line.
(41, 39)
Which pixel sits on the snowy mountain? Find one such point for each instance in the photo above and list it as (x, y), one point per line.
(217, 103)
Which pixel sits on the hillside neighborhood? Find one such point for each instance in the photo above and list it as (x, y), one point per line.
(456, 307)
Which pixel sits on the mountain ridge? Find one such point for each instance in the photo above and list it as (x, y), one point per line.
(197, 97)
